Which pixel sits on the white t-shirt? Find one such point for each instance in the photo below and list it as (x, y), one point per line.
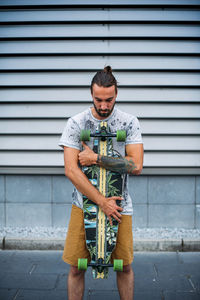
(118, 120)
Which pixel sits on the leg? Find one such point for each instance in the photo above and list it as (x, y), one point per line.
(125, 283)
(124, 250)
(75, 247)
(75, 284)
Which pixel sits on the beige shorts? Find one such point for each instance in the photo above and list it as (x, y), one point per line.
(75, 243)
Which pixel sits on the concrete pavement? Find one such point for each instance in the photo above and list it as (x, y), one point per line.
(42, 275)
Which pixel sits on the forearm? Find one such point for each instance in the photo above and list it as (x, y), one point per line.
(84, 186)
(131, 164)
(120, 165)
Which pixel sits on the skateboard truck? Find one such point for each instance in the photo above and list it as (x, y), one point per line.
(103, 134)
(100, 265)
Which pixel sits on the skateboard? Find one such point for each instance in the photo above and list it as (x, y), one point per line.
(100, 235)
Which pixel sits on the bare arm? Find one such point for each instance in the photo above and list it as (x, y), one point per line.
(81, 182)
(131, 164)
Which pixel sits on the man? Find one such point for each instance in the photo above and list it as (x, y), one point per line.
(104, 93)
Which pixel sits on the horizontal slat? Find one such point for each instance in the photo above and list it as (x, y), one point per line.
(103, 15)
(170, 126)
(36, 142)
(83, 94)
(56, 126)
(170, 159)
(94, 63)
(32, 126)
(98, 30)
(100, 47)
(171, 143)
(29, 142)
(63, 111)
(97, 2)
(81, 79)
(55, 158)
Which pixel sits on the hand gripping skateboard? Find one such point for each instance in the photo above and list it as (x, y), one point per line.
(100, 235)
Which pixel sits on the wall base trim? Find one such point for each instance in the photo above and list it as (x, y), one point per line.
(60, 171)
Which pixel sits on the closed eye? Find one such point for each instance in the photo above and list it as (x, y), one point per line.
(109, 99)
(100, 100)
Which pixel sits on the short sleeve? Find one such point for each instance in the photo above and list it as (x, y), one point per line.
(71, 135)
(133, 132)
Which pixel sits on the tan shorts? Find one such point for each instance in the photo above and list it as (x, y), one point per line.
(75, 244)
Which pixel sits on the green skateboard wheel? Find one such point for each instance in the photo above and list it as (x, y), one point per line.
(121, 135)
(118, 265)
(82, 263)
(85, 135)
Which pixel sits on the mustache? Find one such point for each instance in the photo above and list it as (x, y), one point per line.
(104, 110)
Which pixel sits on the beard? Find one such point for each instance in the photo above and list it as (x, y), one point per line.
(103, 113)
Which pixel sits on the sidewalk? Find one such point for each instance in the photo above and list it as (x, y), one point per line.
(40, 275)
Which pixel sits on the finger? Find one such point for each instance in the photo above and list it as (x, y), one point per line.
(84, 145)
(119, 208)
(118, 214)
(116, 198)
(110, 220)
(116, 218)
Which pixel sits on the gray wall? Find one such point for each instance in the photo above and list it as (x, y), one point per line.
(49, 51)
(45, 200)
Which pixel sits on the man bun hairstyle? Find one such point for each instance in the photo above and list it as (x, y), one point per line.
(108, 69)
(104, 78)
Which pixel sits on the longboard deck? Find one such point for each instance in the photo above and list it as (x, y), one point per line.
(100, 235)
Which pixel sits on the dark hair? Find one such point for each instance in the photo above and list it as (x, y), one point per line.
(104, 78)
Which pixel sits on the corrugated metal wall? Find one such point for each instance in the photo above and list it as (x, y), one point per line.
(49, 51)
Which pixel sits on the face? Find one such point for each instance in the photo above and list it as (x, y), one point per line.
(103, 100)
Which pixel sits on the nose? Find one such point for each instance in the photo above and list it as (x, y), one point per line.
(104, 106)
